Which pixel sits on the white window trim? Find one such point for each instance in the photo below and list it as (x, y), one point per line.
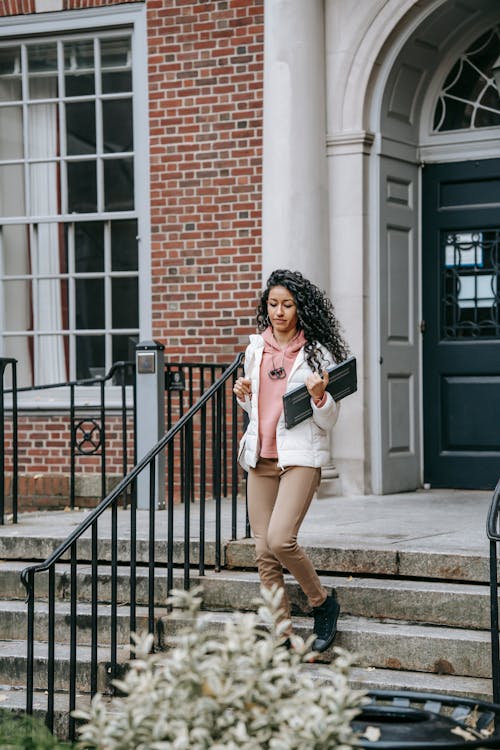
(132, 16)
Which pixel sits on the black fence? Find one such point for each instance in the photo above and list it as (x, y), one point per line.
(5, 466)
(88, 432)
(114, 575)
(493, 531)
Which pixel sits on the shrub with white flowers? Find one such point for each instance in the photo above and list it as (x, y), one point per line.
(239, 688)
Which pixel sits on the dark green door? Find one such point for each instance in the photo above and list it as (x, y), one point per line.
(461, 311)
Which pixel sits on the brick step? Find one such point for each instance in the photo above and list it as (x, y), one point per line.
(13, 665)
(386, 645)
(13, 621)
(453, 604)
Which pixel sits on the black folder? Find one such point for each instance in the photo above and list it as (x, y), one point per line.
(342, 382)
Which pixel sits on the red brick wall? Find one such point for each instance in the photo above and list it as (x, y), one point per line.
(205, 73)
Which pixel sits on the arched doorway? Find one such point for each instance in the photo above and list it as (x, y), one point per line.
(438, 198)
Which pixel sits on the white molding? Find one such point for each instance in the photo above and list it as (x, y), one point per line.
(71, 20)
(349, 142)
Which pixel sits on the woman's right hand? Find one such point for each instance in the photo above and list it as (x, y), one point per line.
(242, 388)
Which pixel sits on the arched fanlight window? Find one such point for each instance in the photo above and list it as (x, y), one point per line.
(469, 98)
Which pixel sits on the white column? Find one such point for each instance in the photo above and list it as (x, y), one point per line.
(295, 184)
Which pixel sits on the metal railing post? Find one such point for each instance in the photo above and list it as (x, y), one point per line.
(150, 416)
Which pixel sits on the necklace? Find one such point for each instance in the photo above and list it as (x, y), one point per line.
(278, 373)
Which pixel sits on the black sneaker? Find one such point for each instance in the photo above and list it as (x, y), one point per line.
(325, 623)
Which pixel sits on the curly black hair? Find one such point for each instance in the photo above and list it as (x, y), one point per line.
(315, 313)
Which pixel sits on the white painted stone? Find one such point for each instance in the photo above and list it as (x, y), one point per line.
(48, 6)
(294, 220)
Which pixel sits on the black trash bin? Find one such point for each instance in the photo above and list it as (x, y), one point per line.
(426, 721)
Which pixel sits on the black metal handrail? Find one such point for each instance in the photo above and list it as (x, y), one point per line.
(150, 555)
(493, 531)
(4, 363)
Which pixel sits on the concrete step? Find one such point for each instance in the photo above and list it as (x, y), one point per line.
(434, 602)
(383, 561)
(353, 560)
(13, 621)
(13, 698)
(371, 678)
(13, 664)
(452, 604)
(386, 645)
(35, 548)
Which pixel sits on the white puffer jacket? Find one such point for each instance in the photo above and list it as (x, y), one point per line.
(306, 444)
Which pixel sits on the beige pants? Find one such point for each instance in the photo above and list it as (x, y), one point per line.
(278, 500)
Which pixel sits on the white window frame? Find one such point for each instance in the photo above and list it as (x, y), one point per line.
(131, 17)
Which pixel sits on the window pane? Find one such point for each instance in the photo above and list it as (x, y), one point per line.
(17, 305)
(42, 130)
(79, 68)
(82, 186)
(119, 82)
(117, 125)
(42, 71)
(51, 357)
(10, 88)
(48, 316)
(12, 200)
(89, 247)
(118, 185)
(11, 132)
(42, 58)
(115, 53)
(10, 61)
(115, 65)
(80, 128)
(125, 310)
(43, 186)
(89, 295)
(124, 348)
(15, 256)
(124, 246)
(20, 348)
(90, 359)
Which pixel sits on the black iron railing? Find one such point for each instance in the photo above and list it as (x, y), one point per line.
(493, 531)
(5, 362)
(89, 426)
(124, 566)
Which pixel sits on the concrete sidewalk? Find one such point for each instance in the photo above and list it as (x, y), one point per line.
(436, 521)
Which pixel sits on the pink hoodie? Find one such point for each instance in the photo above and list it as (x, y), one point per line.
(271, 390)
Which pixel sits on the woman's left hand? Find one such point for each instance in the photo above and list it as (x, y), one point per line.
(316, 385)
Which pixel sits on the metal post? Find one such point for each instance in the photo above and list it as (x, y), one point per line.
(150, 416)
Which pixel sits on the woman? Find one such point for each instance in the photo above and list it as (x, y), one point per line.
(299, 338)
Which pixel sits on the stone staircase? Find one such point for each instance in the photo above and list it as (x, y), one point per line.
(417, 621)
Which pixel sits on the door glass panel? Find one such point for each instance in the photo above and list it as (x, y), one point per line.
(469, 283)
